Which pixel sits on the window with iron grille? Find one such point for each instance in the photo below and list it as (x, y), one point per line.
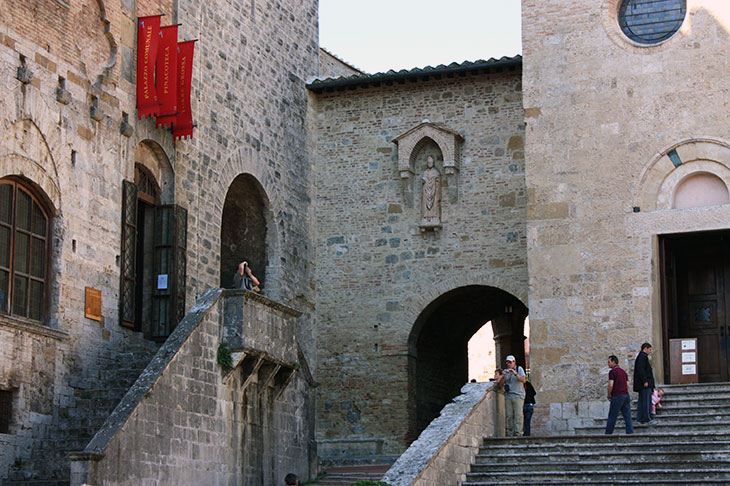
(24, 240)
(6, 410)
(651, 21)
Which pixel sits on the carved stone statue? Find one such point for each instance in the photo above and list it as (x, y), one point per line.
(431, 196)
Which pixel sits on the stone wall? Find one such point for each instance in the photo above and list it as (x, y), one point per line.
(77, 164)
(445, 451)
(188, 421)
(602, 112)
(376, 271)
(331, 66)
(250, 106)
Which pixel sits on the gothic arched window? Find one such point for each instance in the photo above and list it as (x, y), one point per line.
(24, 250)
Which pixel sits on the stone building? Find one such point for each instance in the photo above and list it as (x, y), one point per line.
(399, 296)
(388, 216)
(94, 197)
(627, 172)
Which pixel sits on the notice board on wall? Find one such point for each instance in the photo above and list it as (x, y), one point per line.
(683, 366)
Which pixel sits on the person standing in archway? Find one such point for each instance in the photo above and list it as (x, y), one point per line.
(513, 381)
(245, 279)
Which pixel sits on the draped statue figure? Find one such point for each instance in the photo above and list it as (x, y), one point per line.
(431, 196)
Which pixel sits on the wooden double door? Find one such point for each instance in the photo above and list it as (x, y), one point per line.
(696, 298)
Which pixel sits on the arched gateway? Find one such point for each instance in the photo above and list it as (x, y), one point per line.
(437, 345)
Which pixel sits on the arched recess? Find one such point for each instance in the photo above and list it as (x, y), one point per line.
(30, 154)
(248, 232)
(659, 178)
(153, 157)
(437, 345)
(154, 243)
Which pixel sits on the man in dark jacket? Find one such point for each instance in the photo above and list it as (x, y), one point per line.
(644, 384)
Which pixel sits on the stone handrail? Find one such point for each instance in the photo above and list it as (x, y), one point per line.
(444, 452)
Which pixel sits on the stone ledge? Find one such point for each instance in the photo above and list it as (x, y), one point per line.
(262, 299)
(32, 327)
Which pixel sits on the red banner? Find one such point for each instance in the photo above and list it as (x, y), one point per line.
(167, 75)
(148, 38)
(183, 126)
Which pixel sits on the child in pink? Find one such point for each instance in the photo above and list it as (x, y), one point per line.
(655, 398)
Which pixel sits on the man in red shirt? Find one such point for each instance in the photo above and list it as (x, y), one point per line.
(618, 394)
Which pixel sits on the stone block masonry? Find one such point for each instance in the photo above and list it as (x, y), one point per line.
(187, 421)
(599, 109)
(251, 108)
(376, 271)
(444, 452)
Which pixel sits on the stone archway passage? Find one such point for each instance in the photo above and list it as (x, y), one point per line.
(438, 363)
(243, 229)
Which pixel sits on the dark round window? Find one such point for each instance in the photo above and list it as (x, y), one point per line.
(651, 21)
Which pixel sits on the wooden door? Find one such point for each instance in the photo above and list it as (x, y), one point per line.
(697, 282)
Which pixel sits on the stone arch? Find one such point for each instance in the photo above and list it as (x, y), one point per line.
(448, 141)
(449, 314)
(660, 176)
(153, 157)
(241, 164)
(30, 156)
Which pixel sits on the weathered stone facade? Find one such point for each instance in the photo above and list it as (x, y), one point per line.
(602, 114)
(327, 189)
(70, 131)
(376, 269)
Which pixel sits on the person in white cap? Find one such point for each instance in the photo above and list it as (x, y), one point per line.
(513, 380)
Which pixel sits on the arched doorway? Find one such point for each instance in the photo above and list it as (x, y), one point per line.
(438, 363)
(246, 232)
(154, 246)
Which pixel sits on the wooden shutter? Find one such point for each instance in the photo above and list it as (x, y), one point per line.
(129, 248)
(181, 248)
(168, 301)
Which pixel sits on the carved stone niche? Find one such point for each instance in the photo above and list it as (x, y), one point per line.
(448, 141)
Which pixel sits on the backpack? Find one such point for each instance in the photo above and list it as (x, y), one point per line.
(530, 393)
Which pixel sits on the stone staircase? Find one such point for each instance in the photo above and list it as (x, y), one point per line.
(80, 418)
(346, 475)
(690, 445)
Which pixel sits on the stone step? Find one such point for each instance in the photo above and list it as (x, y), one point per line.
(696, 387)
(601, 440)
(609, 462)
(346, 475)
(647, 476)
(578, 452)
(35, 482)
(663, 427)
(600, 482)
(696, 410)
(671, 418)
(696, 401)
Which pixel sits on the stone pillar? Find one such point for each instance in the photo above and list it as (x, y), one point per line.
(509, 336)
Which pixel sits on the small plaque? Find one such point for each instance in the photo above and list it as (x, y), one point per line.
(93, 304)
(689, 369)
(690, 357)
(162, 282)
(688, 344)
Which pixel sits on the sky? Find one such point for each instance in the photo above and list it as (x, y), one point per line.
(378, 35)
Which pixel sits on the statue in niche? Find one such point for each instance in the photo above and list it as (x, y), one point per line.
(431, 197)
